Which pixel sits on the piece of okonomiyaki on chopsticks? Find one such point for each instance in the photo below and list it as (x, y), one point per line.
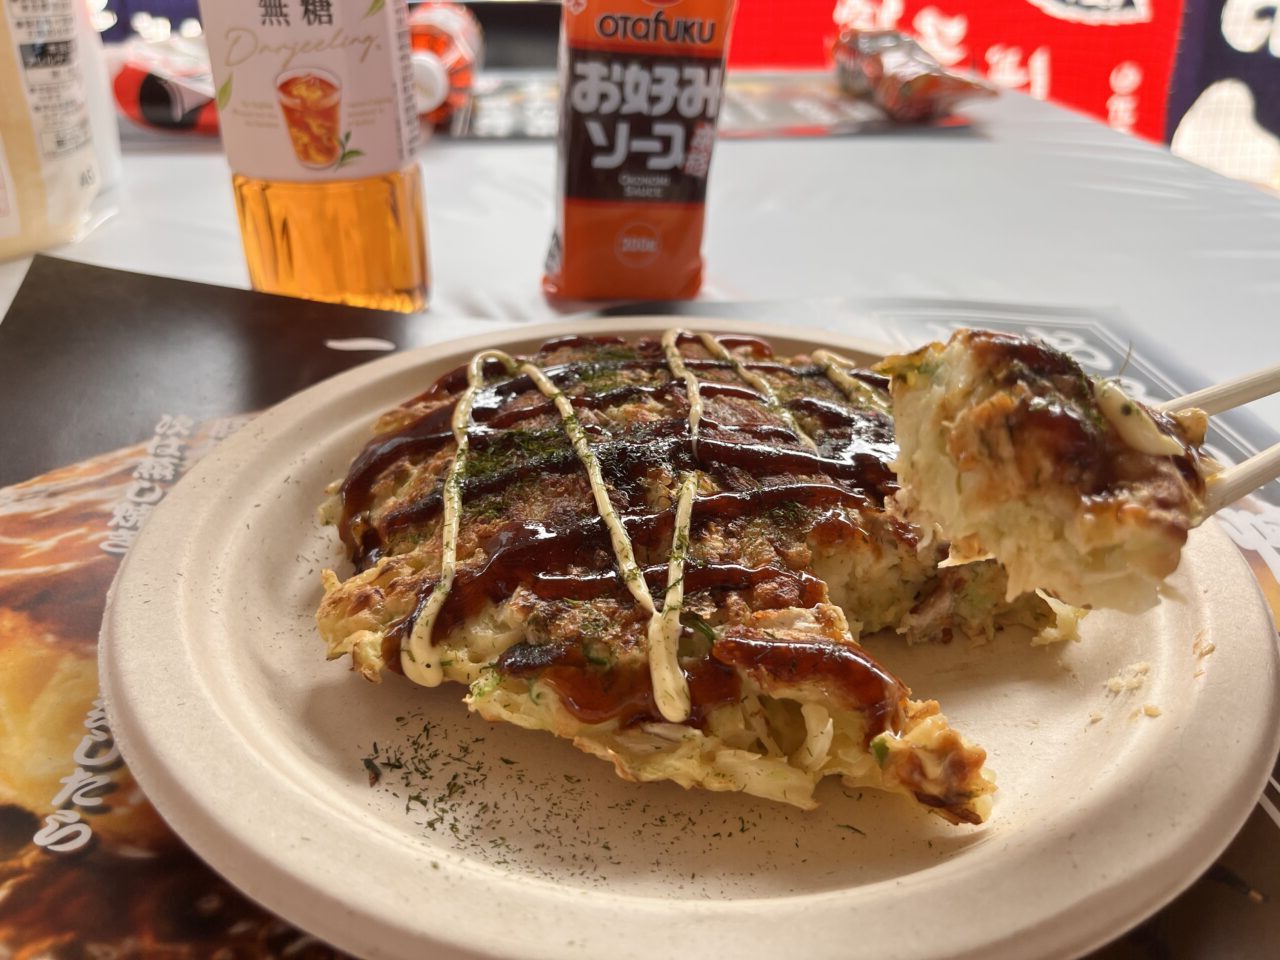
(1015, 452)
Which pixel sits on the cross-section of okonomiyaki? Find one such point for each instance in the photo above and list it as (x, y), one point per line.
(664, 551)
(1073, 486)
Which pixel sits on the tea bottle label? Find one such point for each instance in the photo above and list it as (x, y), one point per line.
(312, 89)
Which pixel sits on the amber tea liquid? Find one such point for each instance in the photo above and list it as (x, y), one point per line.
(359, 242)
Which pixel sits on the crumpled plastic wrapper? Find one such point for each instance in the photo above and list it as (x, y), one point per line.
(891, 70)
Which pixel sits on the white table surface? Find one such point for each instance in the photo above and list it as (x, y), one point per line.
(1032, 205)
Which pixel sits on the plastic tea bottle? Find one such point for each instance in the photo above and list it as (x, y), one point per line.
(315, 102)
(448, 49)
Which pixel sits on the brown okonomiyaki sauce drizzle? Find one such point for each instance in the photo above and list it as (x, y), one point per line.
(667, 689)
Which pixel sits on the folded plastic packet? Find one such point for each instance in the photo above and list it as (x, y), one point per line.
(898, 75)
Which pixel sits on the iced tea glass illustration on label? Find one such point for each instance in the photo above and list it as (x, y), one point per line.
(309, 100)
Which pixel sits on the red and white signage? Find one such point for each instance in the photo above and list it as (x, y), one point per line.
(1109, 58)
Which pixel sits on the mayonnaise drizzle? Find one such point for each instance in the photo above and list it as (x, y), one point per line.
(671, 347)
(1135, 426)
(631, 572)
(834, 366)
(718, 349)
(421, 659)
(670, 688)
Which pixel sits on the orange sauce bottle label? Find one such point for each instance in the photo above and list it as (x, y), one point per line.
(641, 85)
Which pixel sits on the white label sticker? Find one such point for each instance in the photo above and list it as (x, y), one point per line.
(43, 34)
(10, 222)
(311, 90)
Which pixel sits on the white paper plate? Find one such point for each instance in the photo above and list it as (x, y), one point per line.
(506, 842)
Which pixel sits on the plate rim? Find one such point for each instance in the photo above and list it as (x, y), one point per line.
(260, 873)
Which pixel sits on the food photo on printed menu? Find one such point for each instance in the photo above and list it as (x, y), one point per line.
(694, 476)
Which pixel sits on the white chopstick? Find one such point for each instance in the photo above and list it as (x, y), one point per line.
(1234, 482)
(1226, 396)
(1231, 484)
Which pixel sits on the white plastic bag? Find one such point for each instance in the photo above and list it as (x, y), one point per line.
(50, 172)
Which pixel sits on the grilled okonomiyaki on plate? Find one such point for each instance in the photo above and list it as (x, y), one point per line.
(664, 550)
(487, 839)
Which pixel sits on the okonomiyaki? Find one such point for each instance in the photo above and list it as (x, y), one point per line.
(665, 551)
(1073, 486)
